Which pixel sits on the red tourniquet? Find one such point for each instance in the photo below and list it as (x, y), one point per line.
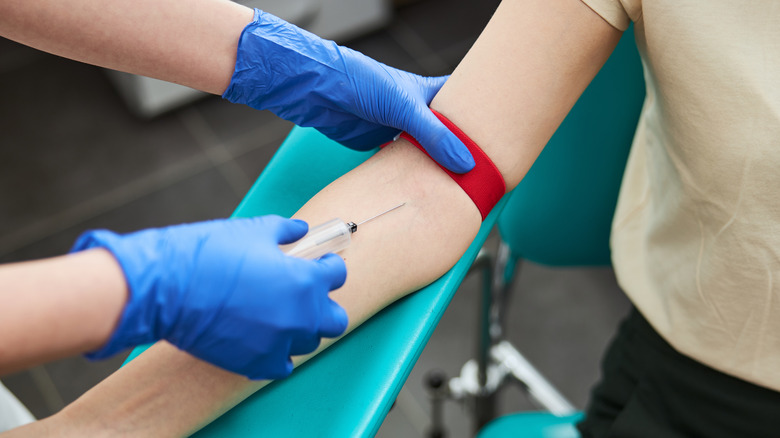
(484, 183)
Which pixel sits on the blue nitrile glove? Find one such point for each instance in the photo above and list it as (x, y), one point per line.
(224, 292)
(346, 95)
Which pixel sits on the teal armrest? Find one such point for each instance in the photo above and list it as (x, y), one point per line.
(348, 389)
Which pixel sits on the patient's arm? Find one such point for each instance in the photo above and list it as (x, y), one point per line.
(509, 94)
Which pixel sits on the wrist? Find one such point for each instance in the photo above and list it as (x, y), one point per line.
(110, 299)
(265, 43)
(137, 257)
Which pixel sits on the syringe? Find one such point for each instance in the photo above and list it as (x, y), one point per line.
(331, 236)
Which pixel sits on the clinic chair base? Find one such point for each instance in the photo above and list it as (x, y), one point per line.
(507, 365)
(507, 362)
(498, 362)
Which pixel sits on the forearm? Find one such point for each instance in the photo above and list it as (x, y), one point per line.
(58, 307)
(164, 377)
(191, 42)
(509, 94)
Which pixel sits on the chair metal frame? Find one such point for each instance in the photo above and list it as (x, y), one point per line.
(497, 360)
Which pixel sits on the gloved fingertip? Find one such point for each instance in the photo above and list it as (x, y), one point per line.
(336, 270)
(461, 163)
(456, 156)
(446, 148)
(291, 230)
(369, 139)
(335, 321)
(340, 316)
(275, 371)
(301, 222)
(304, 345)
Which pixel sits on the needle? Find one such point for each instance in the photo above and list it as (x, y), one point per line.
(380, 214)
(331, 236)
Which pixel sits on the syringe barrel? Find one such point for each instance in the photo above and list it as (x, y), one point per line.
(331, 236)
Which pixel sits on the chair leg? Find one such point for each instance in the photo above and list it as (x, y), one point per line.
(480, 379)
(498, 280)
(473, 385)
(504, 354)
(438, 393)
(484, 398)
(499, 291)
(498, 359)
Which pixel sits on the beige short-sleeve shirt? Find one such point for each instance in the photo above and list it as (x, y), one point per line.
(696, 234)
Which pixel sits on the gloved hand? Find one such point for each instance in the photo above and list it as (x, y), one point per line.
(224, 292)
(346, 95)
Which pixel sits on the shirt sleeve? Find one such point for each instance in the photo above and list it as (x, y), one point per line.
(612, 11)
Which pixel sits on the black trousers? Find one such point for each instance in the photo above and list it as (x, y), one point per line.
(649, 390)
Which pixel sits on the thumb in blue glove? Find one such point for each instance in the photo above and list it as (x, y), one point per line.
(224, 292)
(346, 95)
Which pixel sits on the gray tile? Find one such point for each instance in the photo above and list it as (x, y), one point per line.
(67, 138)
(23, 386)
(444, 23)
(14, 56)
(385, 49)
(201, 197)
(562, 320)
(454, 53)
(252, 150)
(397, 425)
(254, 161)
(430, 62)
(230, 121)
(73, 376)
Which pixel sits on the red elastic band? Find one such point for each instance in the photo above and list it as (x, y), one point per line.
(484, 183)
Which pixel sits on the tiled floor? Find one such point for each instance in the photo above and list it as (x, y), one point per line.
(73, 157)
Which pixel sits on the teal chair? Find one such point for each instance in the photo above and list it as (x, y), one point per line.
(532, 425)
(347, 390)
(560, 215)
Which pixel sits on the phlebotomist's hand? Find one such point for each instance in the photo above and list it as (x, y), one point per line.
(224, 292)
(346, 95)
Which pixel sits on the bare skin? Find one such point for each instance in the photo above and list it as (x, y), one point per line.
(190, 42)
(509, 94)
(58, 307)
